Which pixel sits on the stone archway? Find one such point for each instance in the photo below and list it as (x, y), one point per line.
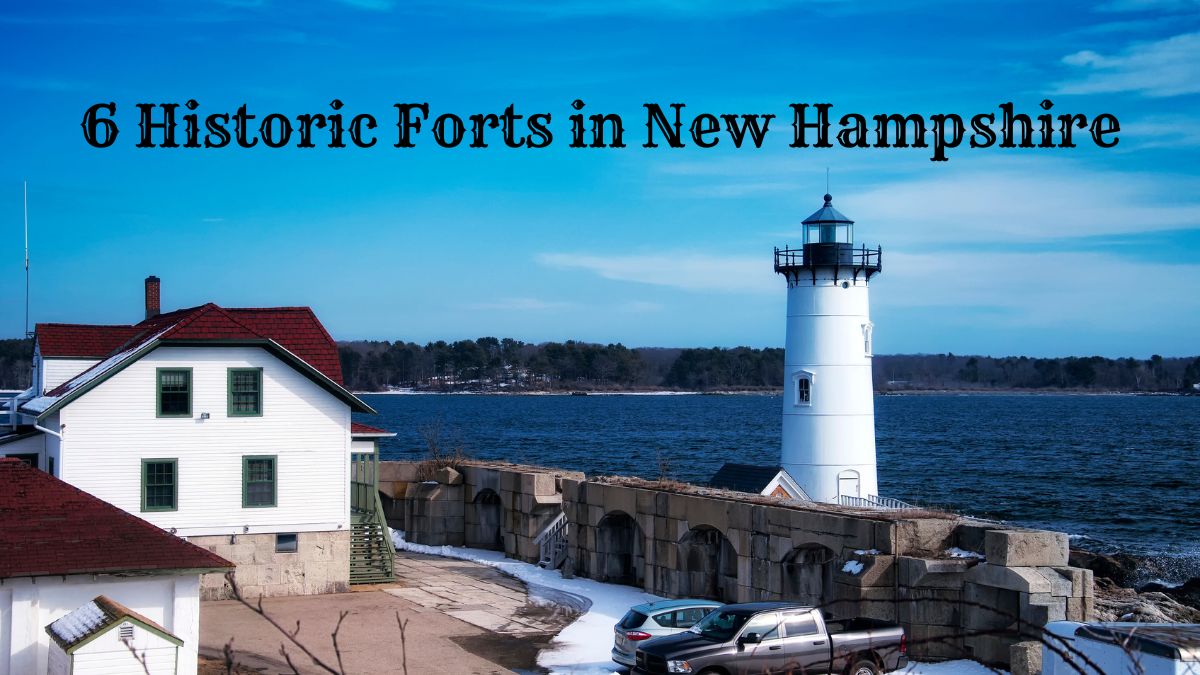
(808, 575)
(483, 519)
(707, 565)
(620, 558)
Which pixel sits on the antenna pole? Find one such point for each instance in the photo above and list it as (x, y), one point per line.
(26, 201)
(826, 180)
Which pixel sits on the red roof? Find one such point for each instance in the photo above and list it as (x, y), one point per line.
(360, 429)
(81, 341)
(296, 329)
(48, 527)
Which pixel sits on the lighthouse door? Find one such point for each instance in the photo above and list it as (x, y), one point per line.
(848, 483)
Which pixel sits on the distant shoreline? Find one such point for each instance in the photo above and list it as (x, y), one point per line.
(774, 392)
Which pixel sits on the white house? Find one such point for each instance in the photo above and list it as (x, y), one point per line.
(61, 548)
(228, 427)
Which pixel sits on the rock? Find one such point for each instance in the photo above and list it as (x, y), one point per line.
(1126, 604)
(1187, 594)
(448, 476)
(1121, 568)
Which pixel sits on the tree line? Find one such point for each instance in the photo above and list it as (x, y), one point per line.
(491, 363)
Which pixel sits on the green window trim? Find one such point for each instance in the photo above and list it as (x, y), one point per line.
(158, 398)
(150, 485)
(240, 387)
(252, 477)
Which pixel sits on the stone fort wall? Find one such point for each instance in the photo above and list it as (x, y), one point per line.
(960, 587)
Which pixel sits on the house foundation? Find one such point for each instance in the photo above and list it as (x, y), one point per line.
(320, 564)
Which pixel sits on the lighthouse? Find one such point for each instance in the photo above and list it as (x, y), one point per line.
(828, 408)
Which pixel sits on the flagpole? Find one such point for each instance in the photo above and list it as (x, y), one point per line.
(26, 200)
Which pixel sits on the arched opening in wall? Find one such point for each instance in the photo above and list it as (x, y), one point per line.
(707, 565)
(808, 575)
(484, 516)
(619, 550)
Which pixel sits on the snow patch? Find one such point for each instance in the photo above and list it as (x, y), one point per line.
(852, 567)
(585, 646)
(956, 552)
(871, 551)
(962, 667)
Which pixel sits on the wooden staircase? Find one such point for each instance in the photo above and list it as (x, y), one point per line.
(372, 554)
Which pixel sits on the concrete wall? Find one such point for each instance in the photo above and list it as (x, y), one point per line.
(321, 564)
(687, 541)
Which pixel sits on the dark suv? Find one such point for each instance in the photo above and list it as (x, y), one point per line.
(776, 637)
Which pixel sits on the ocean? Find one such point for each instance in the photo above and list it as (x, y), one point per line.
(1117, 473)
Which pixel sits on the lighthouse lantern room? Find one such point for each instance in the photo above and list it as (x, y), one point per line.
(828, 408)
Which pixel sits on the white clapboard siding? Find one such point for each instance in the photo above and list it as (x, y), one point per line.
(56, 371)
(110, 429)
(108, 655)
(28, 605)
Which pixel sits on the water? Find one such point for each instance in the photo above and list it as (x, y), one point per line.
(1116, 472)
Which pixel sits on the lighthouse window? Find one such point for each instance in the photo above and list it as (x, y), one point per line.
(867, 329)
(803, 388)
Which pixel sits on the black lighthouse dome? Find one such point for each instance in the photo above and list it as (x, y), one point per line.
(828, 226)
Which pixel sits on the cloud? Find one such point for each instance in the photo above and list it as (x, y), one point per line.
(689, 271)
(1169, 67)
(640, 307)
(1023, 202)
(1149, 5)
(1161, 131)
(1091, 291)
(520, 305)
(669, 8)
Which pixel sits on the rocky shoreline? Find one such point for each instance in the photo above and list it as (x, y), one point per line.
(1119, 596)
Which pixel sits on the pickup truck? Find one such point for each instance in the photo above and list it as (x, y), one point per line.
(775, 637)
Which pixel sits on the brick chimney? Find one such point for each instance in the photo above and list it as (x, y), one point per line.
(152, 301)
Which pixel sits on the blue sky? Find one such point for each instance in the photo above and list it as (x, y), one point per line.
(1038, 252)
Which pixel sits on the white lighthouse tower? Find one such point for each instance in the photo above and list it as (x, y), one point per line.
(828, 409)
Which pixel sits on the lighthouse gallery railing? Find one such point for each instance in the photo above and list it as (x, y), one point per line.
(829, 255)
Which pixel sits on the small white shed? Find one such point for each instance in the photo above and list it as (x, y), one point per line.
(103, 637)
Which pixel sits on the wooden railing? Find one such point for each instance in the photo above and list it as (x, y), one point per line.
(364, 482)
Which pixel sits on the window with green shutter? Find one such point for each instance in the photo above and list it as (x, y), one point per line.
(258, 481)
(160, 485)
(245, 392)
(174, 392)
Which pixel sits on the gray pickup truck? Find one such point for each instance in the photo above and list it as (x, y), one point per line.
(775, 637)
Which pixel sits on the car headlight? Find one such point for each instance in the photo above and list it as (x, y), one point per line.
(678, 667)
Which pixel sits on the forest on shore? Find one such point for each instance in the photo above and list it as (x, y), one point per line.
(494, 364)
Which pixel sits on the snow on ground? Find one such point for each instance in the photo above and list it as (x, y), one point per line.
(585, 646)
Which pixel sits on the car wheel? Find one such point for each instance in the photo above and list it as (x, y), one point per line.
(864, 667)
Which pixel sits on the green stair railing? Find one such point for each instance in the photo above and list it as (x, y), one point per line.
(372, 554)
